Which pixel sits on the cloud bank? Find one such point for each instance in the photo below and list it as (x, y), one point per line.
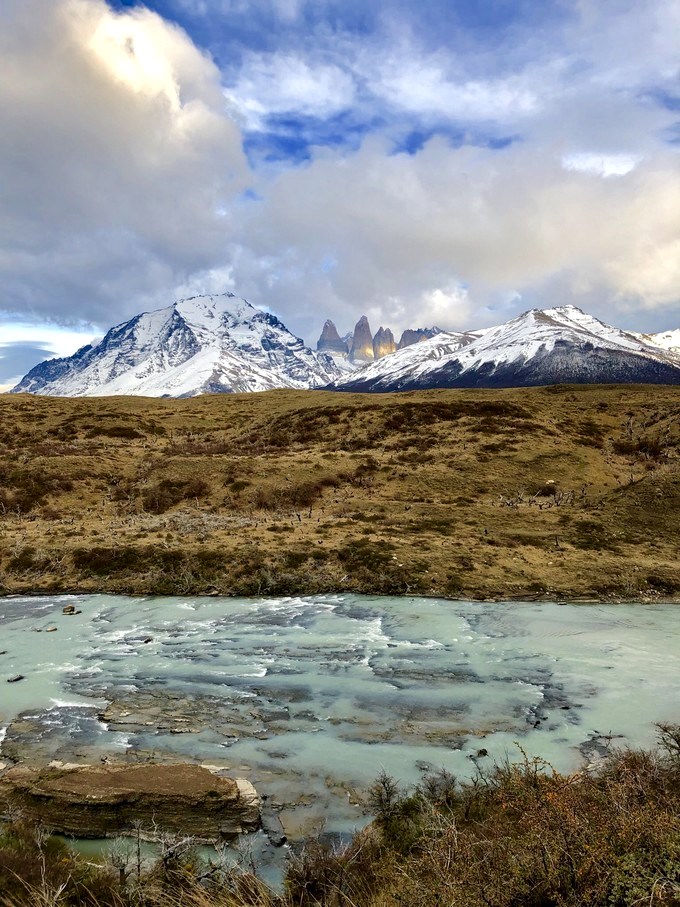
(117, 160)
(423, 164)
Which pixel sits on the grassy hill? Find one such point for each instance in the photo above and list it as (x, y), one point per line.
(562, 491)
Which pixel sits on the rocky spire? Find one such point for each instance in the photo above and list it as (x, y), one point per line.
(362, 342)
(330, 341)
(383, 343)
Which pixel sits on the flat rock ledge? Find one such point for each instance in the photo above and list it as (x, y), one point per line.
(107, 801)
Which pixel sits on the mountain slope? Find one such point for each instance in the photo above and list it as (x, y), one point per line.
(539, 347)
(205, 344)
(667, 340)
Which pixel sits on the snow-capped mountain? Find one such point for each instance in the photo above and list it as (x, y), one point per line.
(205, 344)
(667, 340)
(549, 346)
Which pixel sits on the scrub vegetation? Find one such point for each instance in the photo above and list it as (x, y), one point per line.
(520, 835)
(520, 493)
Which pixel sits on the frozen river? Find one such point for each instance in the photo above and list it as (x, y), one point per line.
(311, 697)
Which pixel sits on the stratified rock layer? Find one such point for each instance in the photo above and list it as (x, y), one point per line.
(105, 801)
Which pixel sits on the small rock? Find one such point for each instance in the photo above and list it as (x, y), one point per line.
(4, 652)
(277, 840)
(15, 679)
(271, 825)
(51, 629)
(481, 753)
(147, 639)
(68, 609)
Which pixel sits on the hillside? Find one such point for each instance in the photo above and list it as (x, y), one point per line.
(559, 491)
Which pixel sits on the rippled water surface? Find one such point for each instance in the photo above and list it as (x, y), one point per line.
(311, 697)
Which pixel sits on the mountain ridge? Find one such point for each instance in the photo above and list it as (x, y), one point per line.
(223, 344)
(538, 347)
(201, 344)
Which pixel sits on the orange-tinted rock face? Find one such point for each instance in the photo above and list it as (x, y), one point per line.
(383, 343)
(362, 342)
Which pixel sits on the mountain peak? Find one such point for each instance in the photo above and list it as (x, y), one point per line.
(201, 344)
(383, 343)
(330, 341)
(362, 342)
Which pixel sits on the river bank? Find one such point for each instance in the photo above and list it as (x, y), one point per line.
(527, 834)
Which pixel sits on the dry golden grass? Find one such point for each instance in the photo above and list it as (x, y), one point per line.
(563, 492)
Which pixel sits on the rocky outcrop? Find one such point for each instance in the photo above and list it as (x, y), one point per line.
(107, 801)
(383, 343)
(360, 346)
(362, 342)
(409, 337)
(330, 341)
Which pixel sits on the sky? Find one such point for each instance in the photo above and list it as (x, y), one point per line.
(424, 162)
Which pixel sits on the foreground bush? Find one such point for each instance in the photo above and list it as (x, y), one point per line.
(521, 835)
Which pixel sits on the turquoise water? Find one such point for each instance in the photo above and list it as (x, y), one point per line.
(310, 698)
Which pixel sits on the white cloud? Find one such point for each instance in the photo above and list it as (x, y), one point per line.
(276, 84)
(407, 231)
(115, 154)
(60, 340)
(288, 10)
(422, 86)
(122, 172)
(605, 165)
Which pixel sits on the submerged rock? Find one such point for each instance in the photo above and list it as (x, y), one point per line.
(106, 801)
